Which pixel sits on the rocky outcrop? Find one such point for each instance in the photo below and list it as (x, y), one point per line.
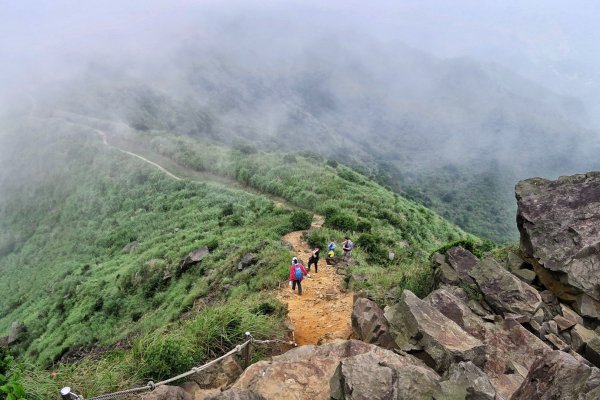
(559, 375)
(467, 381)
(420, 328)
(194, 257)
(559, 223)
(236, 394)
(332, 371)
(503, 291)
(369, 324)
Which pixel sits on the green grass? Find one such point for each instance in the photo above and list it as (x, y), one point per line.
(70, 215)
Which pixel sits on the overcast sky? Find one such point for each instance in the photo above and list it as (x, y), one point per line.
(552, 42)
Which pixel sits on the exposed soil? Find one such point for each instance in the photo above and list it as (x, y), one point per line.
(324, 310)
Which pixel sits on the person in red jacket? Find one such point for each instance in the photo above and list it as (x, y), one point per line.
(297, 273)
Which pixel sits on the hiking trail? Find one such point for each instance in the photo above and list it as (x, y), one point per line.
(324, 310)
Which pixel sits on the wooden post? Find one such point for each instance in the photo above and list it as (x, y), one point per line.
(247, 350)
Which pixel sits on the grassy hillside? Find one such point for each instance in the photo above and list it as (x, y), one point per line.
(91, 232)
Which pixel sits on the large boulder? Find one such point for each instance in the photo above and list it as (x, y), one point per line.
(369, 324)
(247, 260)
(221, 374)
(462, 261)
(470, 382)
(306, 372)
(416, 325)
(559, 375)
(503, 291)
(558, 222)
(194, 257)
(383, 375)
(448, 301)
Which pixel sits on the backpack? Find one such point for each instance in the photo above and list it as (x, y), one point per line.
(298, 272)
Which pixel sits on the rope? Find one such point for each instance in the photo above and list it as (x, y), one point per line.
(151, 385)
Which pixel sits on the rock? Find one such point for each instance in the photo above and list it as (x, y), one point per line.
(514, 367)
(563, 323)
(203, 394)
(194, 257)
(580, 336)
(369, 324)
(307, 371)
(466, 379)
(383, 376)
(4, 342)
(558, 223)
(130, 247)
(559, 375)
(454, 308)
(526, 275)
(167, 393)
(514, 262)
(247, 260)
(592, 351)
(221, 374)
(236, 394)
(547, 297)
(503, 291)
(16, 333)
(539, 316)
(443, 273)
(462, 261)
(416, 322)
(557, 342)
(571, 315)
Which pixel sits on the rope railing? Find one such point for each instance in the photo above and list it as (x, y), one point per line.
(67, 394)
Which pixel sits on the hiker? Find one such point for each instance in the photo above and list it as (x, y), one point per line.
(297, 273)
(314, 259)
(347, 246)
(331, 246)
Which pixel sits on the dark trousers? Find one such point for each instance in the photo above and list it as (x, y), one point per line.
(299, 284)
(314, 261)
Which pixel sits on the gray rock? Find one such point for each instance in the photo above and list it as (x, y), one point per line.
(462, 261)
(383, 376)
(526, 275)
(221, 374)
(558, 222)
(130, 247)
(559, 375)
(369, 324)
(194, 257)
(466, 379)
(247, 260)
(557, 342)
(563, 323)
(580, 336)
(414, 321)
(503, 291)
(592, 351)
(571, 315)
(454, 308)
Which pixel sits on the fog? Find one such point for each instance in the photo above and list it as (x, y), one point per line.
(508, 86)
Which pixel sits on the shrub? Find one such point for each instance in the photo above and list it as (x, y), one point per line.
(368, 242)
(332, 163)
(363, 226)
(317, 239)
(477, 248)
(341, 221)
(300, 220)
(289, 159)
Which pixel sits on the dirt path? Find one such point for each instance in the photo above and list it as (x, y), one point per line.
(323, 311)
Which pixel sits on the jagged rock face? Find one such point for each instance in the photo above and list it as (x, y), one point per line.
(416, 325)
(307, 372)
(559, 223)
(503, 291)
(559, 375)
(17, 331)
(194, 257)
(466, 379)
(383, 376)
(369, 324)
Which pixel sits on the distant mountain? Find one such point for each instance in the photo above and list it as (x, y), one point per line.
(397, 114)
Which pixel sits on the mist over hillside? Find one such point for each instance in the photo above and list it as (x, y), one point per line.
(454, 133)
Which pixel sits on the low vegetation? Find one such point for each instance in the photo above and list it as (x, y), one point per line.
(95, 259)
